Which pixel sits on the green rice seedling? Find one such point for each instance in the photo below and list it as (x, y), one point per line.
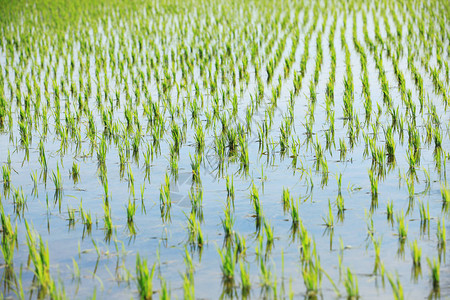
(144, 278)
(245, 278)
(199, 139)
(174, 165)
(397, 288)
(8, 243)
(230, 187)
(75, 172)
(441, 234)
(188, 277)
(377, 250)
(254, 198)
(424, 212)
(329, 220)
(6, 175)
(416, 253)
(19, 200)
(266, 277)
(412, 158)
(294, 213)
(87, 220)
(306, 243)
(188, 287)
(240, 244)
(435, 272)
(390, 143)
(195, 165)
(107, 218)
(131, 211)
(369, 222)
(227, 223)
(244, 159)
(390, 209)
(410, 186)
(445, 193)
(142, 192)
(196, 199)
(228, 259)
(76, 271)
(148, 156)
(351, 285)
(192, 227)
(164, 293)
(35, 182)
(286, 199)
(373, 184)
(164, 192)
(269, 232)
(40, 258)
(130, 176)
(101, 152)
(342, 149)
(312, 275)
(105, 184)
(7, 230)
(402, 228)
(57, 180)
(71, 216)
(340, 204)
(339, 183)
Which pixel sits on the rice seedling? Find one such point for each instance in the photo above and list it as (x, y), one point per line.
(164, 293)
(57, 180)
(377, 248)
(194, 230)
(164, 193)
(435, 272)
(269, 232)
(424, 212)
(195, 165)
(228, 259)
(6, 173)
(351, 285)
(340, 204)
(87, 219)
(144, 278)
(329, 220)
(312, 275)
(107, 219)
(39, 255)
(295, 217)
(254, 199)
(227, 223)
(445, 193)
(131, 211)
(230, 187)
(416, 253)
(286, 199)
(441, 234)
(402, 227)
(9, 239)
(397, 288)
(390, 210)
(245, 278)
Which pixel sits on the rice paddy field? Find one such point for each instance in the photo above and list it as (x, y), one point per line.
(224, 149)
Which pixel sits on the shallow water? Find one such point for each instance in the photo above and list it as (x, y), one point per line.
(111, 271)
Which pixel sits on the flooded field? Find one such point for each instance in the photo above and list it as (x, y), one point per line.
(224, 149)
